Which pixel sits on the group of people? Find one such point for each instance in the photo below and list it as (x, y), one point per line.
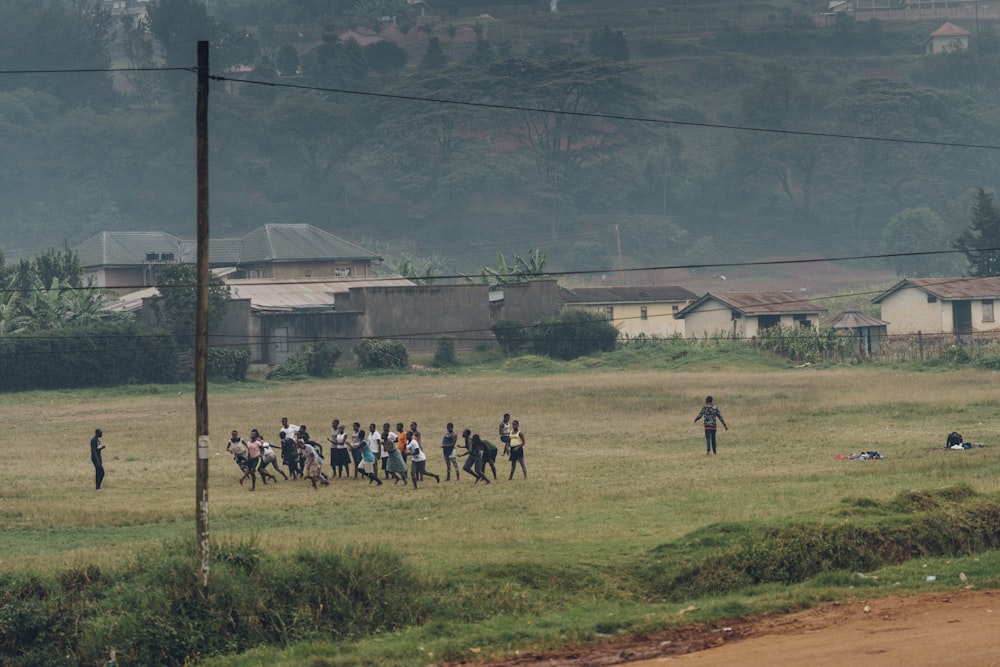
(373, 454)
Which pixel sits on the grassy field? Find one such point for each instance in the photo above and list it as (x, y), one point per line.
(617, 473)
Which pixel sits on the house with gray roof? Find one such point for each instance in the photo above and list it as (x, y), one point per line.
(743, 314)
(634, 311)
(127, 261)
(868, 333)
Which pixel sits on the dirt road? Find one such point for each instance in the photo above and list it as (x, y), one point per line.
(957, 629)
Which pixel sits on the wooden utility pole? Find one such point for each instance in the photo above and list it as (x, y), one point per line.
(201, 322)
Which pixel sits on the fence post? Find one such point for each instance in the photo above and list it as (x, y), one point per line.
(920, 344)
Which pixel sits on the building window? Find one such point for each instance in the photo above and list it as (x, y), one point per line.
(253, 275)
(931, 298)
(308, 273)
(988, 310)
(342, 271)
(643, 313)
(609, 312)
(675, 308)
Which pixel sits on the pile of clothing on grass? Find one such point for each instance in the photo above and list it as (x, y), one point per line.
(862, 456)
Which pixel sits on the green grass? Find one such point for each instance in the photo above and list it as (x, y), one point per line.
(620, 514)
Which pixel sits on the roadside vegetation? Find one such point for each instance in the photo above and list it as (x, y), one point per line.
(624, 525)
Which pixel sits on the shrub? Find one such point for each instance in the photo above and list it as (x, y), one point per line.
(444, 355)
(510, 336)
(574, 333)
(293, 369)
(319, 359)
(228, 363)
(373, 353)
(100, 355)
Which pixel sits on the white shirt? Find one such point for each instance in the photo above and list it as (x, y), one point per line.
(289, 430)
(375, 444)
(416, 451)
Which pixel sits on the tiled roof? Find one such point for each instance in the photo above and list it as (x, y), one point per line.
(949, 289)
(626, 294)
(759, 303)
(949, 29)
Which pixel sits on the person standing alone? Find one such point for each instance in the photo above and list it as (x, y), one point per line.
(711, 415)
(95, 457)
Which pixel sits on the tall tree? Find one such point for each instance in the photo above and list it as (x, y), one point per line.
(980, 243)
(178, 285)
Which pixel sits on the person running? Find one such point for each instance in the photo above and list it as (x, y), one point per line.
(505, 433)
(237, 446)
(376, 444)
(490, 457)
(290, 456)
(312, 468)
(418, 460)
(711, 414)
(95, 457)
(395, 465)
(253, 460)
(448, 443)
(516, 449)
(357, 437)
(269, 458)
(474, 449)
(369, 457)
(401, 442)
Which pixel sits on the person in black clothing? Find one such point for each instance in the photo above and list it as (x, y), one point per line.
(95, 457)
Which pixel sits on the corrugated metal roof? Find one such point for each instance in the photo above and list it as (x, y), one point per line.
(279, 295)
(759, 303)
(127, 248)
(269, 243)
(600, 295)
(276, 243)
(949, 289)
(852, 319)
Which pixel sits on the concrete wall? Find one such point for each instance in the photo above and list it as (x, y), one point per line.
(907, 311)
(710, 318)
(628, 319)
(415, 316)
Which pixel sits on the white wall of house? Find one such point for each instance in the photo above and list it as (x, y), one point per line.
(711, 318)
(907, 311)
(628, 317)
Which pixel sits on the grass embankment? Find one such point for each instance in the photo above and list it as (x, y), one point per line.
(623, 522)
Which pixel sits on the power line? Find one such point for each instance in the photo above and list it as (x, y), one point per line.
(606, 116)
(99, 70)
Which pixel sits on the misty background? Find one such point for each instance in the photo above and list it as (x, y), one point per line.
(448, 186)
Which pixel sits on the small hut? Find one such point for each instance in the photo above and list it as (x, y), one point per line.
(867, 332)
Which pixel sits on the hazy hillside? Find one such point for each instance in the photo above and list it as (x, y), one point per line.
(680, 146)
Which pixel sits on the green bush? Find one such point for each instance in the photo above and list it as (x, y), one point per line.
(573, 333)
(293, 369)
(510, 336)
(319, 359)
(444, 355)
(99, 355)
(373, 353)
(228, 363)
(153, 612)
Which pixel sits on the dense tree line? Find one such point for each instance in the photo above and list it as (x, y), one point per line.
(95, 151)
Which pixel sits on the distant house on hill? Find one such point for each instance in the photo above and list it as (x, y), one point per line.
(941, 305)
(126, 261)
(948, 39)
(743, 314)
(634, 310)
